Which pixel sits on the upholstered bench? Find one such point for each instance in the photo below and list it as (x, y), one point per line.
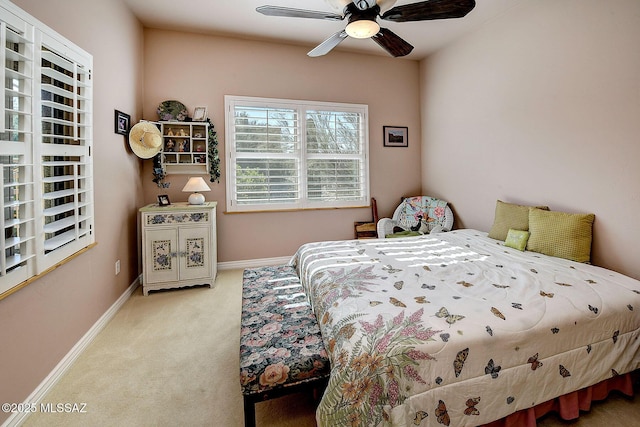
(281, 349)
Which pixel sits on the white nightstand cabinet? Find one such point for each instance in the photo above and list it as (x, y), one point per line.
(178, 245)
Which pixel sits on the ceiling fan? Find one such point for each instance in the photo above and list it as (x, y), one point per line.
(362, 20)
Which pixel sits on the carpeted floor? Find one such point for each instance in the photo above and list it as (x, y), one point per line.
(171, 359)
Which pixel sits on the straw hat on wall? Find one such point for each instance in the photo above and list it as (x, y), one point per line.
(145, 140)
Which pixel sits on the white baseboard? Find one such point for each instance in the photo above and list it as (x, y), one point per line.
(54, 376)
(251, 263)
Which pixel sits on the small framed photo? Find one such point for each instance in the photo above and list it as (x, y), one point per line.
(121, 123)
(396, 136)
(200, 114)
(163, 200)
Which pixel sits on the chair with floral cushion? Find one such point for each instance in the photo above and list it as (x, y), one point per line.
(415, 216)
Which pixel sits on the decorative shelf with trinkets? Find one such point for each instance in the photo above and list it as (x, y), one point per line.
(184, 147)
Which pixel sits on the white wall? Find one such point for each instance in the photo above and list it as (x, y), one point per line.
(542, 106)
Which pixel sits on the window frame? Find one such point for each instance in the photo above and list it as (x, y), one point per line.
(301, 156)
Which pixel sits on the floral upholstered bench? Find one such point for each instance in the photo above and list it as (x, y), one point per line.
(281, 349)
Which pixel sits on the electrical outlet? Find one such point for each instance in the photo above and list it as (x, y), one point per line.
(117, 267)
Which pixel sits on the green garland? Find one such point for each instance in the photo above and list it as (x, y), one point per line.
(213, 154)
(159, 174)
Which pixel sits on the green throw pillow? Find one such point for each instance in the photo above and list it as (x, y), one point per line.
(561, 234)
(517, 239)
(510, 215)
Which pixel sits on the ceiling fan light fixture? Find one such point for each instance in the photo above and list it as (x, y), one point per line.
(362, 29)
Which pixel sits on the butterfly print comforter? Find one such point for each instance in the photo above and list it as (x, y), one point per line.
(457, 329)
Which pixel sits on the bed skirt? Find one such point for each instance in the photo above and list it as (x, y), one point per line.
(569, 405)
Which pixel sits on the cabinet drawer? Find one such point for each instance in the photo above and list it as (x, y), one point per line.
(156, 219)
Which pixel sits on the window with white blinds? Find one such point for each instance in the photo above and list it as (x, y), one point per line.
(286, 154)
(45, 148)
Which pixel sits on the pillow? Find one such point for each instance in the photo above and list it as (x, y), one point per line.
(561, 234)
(517, 239)
(509, 215)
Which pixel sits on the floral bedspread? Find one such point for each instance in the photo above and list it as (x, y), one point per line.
(458, 329)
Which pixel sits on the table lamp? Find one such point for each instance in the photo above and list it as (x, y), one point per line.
(194, 186)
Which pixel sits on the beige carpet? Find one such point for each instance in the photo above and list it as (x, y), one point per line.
(171, 359)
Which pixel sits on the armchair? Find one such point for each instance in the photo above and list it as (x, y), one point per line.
(417, 215)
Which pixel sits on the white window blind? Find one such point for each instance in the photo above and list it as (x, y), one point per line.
(45, 148)
(286, 154)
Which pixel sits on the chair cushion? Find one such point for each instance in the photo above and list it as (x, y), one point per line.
(406, 233)
(431, 209)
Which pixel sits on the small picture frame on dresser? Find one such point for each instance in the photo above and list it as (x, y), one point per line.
(163, 200)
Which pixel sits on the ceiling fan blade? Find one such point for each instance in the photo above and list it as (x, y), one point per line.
(326, 46)
(339, 5)
(392, 43)
(430, 9)
(298, 13)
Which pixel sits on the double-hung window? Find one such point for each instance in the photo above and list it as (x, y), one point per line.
(287, 154)
(45, 148)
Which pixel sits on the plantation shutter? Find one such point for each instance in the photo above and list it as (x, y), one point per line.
(267, 146)
(287, 154)
(65, 151)
(16, 152)
(45, 148)
(335, 156)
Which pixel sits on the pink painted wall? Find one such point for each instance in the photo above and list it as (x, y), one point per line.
(541, 106)
(41, 322)
(199, 70)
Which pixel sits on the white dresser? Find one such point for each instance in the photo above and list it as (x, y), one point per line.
(178, 245)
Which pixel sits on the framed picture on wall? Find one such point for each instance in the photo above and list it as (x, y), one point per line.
(396, 136)
(121, 123)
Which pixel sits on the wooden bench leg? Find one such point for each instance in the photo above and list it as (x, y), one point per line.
(249, 413)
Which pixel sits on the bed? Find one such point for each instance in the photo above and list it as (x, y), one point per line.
(459, 329)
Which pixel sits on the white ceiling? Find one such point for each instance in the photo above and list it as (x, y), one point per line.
(238, 18)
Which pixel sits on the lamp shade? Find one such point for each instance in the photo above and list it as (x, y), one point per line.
(194, 186)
